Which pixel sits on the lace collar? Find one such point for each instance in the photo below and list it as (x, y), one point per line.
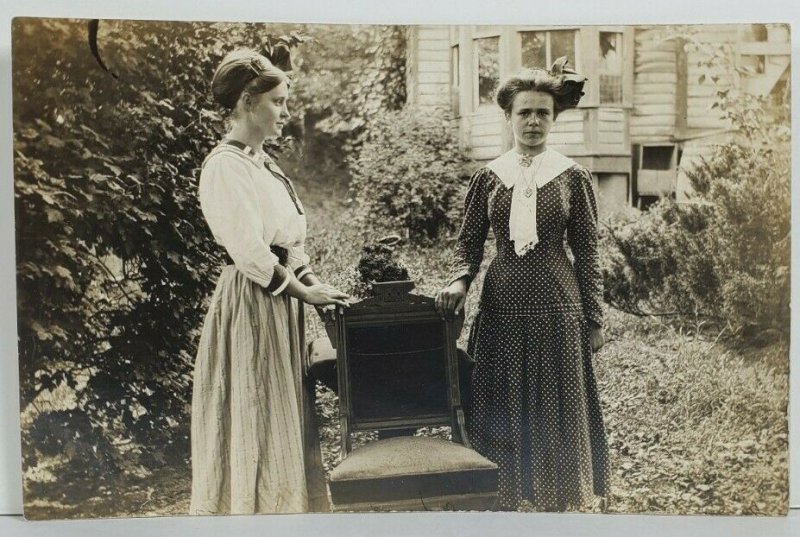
(507, 167)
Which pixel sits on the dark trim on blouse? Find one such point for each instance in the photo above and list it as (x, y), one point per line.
(279, 276)
(272, 168)
(301, 271)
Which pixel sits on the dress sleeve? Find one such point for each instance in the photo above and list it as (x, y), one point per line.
(468, 254)
(229, 204)
(582, 238)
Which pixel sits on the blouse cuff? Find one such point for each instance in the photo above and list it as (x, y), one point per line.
(299, 272)
(280, 279)
(459, 274)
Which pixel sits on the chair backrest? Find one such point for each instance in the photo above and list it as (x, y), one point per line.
(397, 365)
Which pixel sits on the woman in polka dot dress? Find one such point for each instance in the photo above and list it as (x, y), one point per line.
(535, 409)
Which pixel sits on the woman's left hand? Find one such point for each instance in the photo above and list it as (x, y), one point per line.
(596, 338)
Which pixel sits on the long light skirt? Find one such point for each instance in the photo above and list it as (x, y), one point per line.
(255, 447)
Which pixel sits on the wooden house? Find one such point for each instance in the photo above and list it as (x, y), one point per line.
(647, 110)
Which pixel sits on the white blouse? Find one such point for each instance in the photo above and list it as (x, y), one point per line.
(249, 208)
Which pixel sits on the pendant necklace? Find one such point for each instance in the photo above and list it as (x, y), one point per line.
(525, 161)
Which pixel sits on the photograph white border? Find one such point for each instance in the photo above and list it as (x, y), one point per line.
(582, 12)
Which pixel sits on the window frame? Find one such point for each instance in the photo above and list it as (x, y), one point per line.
(621, 74)
(547, 30)
(477, 106)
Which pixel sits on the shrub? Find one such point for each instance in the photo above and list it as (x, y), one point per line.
(722, 256)
(657, 260)
(109, 232)
(409, 174)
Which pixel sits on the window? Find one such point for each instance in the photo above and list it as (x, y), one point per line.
(488, 56)
(657, 157)
(657, 173)
(542, 48)
(758, 63)
(761, 65)
(534, 49)
(562, 43)
(610, 67)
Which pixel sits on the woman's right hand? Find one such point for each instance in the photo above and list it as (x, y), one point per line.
(450, 300)
(323, 294)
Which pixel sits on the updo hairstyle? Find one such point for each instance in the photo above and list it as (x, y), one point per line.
(564, 84)
(243, 70)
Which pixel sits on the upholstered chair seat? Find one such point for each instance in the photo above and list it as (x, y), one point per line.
(414, 473)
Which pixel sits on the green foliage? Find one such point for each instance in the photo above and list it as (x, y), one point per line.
(346, 75)
(114, 259)
(349, 73)
(653, 258)
(409, 174)
(725, 254)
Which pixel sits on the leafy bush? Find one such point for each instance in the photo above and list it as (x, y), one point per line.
(653, 258)
(109, 231)
(725, 254)
(409, 174)
(347, 74)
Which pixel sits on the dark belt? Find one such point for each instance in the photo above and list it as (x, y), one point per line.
(281, 253)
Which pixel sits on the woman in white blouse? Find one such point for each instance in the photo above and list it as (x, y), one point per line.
(254, 444)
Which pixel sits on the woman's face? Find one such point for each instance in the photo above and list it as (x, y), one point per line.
(268, 111)
(531, 118)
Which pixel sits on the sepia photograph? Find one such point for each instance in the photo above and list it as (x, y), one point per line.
(303, 268)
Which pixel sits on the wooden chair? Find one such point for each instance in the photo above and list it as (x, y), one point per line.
(397, 371)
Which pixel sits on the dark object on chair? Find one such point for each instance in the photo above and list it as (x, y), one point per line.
(397, 368)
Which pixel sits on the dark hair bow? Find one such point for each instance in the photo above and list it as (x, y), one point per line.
(280, 56)
(559, 67)
(279, 53)
(571, 81)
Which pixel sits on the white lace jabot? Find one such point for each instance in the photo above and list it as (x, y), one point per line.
(542, 169)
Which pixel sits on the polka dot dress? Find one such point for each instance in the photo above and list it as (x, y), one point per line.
(535, 409)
